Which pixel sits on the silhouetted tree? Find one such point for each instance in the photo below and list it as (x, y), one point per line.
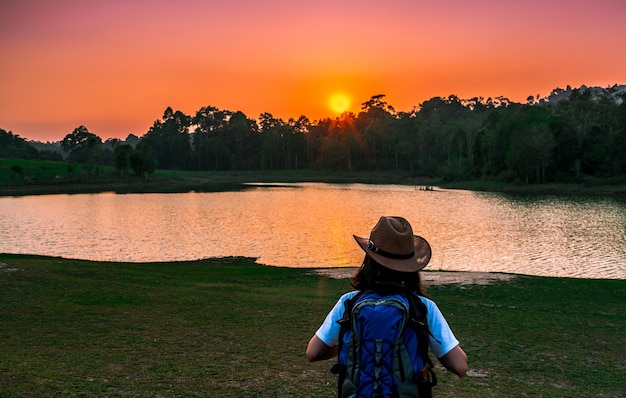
(243, 141)
(13, 146)
(83, 146)
(142, 163)
(209, 139)
(122, 158)
(168, 140)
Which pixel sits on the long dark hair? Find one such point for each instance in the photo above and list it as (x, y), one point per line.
(372, 274)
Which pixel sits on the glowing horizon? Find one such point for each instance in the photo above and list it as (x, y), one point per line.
(115, 66)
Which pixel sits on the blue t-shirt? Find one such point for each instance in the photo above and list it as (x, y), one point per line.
(441, 341)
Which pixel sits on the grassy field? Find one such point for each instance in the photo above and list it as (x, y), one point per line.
(231, 328)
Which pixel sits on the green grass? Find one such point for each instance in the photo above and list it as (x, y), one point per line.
(231, 328)
(17, 170)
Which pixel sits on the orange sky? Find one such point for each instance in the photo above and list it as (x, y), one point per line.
(115, 65)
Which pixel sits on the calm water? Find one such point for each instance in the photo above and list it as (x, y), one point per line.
(311, 225)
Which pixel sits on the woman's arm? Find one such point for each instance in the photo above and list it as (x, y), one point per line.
(455, 361)
(318, 350)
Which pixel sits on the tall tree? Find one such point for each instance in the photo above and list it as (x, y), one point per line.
(122, 158)
(209, 140)
(375, 124)
(168, 140)
(14, 146)
(243, 142)
(272, 130)
(297, 142)
(83, 146)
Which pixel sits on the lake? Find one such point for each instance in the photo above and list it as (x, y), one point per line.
(311, 225)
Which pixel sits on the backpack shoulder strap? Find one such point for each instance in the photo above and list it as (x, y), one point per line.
(419, 322)
(345, 323)
(347, 310)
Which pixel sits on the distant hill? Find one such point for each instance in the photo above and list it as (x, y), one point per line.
(55, 147)
(559, 94)
(48, 146)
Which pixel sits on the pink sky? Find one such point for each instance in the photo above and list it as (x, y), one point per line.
(114, 66)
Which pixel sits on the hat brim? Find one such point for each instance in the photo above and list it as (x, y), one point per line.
(421, 255)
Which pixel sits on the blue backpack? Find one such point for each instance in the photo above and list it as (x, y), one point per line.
(383, 346)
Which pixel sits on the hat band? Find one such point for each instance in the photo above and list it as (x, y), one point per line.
(372, 247)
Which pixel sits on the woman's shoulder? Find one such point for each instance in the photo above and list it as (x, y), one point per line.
(348, 295)
(428, 303)
(338, 309)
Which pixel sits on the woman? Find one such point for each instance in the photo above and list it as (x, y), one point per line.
(392, 255)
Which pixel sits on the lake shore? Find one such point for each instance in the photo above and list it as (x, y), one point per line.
(432, 277)
(165, 181)
(46, 177)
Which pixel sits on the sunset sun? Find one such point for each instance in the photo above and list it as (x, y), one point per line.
(339, 103)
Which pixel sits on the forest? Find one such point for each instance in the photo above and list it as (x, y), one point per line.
(573, 135)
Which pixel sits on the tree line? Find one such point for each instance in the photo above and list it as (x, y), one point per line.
(581, 134)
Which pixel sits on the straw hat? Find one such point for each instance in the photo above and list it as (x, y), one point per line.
(393, 245)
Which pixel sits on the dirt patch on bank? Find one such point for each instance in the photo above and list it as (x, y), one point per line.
(431, 277)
